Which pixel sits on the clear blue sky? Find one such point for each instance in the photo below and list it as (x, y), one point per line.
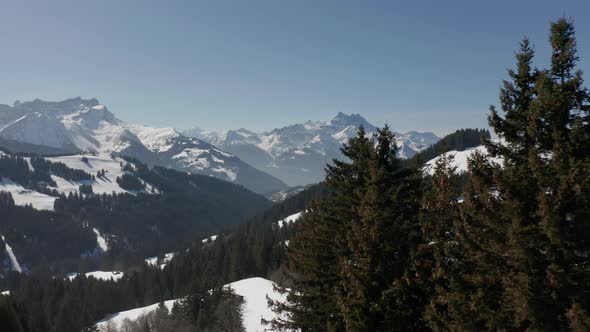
(428, 65)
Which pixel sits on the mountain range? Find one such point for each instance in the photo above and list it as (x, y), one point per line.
(297, 154)
(262, 162)
(84, 125)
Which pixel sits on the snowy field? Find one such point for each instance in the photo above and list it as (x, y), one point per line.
(102, 185)
(255, 308)
(91, 164)
(23, 196)
(460, 159)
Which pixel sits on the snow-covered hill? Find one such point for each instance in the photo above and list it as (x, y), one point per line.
(91, 164)
(78, 124)
(297, 154)
(255, 307)
(23, 196)
(289, 219)
(460, 159)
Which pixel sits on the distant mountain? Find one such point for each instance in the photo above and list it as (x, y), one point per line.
(78, 124)
(298, 154)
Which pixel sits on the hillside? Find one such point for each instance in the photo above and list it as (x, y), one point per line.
(123, 203)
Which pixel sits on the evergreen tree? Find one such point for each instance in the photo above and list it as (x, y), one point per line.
(351, 255)
(563, 108)
(379, 245)
(526, 224)
(440, 255)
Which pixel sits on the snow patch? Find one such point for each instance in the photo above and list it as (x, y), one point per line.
(153, 261)
(209, 239)
(289, 219)
(100, 275)
(460, 159)
(15, 265)
(23, 196)
(101, 241)
(255, 307)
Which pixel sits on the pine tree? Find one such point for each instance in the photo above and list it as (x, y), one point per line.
(380, 245)
(517, 191)
(563, 109)
(440, 255)
(319, 242)
(526, 224)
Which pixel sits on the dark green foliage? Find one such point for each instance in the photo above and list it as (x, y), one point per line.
(9, 320)
(40, 237)
(350, 257)
(130, 182)
(85, 189)
(45, 166)
(526, 224)
(439, 261)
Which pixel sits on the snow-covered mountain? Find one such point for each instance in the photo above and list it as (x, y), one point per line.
(78, 124)
(297, 154)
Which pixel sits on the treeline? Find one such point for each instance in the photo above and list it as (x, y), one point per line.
(459, 141)
(45, 303)
(42, 237)
(389, 250)
(17, 169)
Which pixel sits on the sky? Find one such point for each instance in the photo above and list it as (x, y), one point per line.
(416, 65)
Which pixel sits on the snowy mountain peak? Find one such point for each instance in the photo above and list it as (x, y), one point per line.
(342, 120)
(85, 125)
(298, 153)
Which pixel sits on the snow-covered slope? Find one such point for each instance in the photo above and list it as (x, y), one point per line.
(255, 307)
(289, 219)
(297, 154)
(13, 260)
(88, 163)
(460, 159)
(77, 124)
(92, 164)
(23, 196)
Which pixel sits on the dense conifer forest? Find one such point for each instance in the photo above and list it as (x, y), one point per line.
(392, 250)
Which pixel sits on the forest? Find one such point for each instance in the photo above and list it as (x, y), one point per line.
(382, 245)
(393, 250)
